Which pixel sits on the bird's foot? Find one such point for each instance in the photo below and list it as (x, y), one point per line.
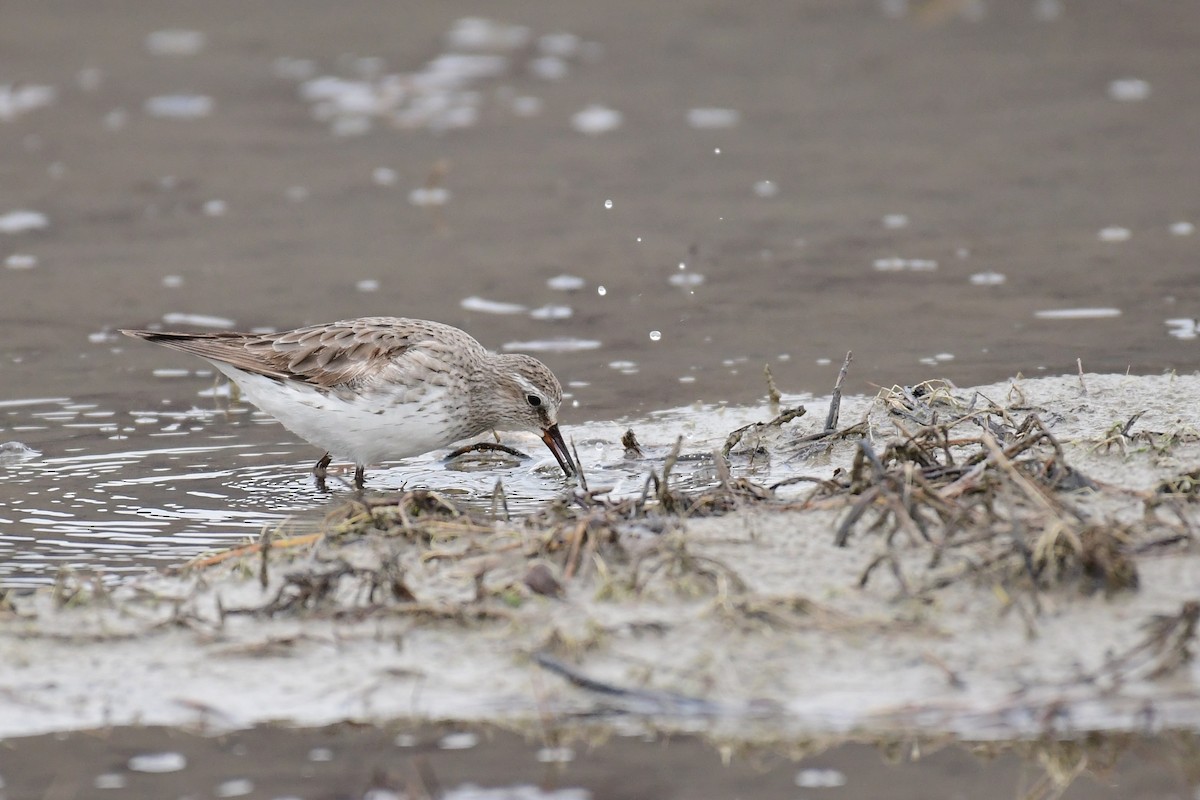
(319, 472)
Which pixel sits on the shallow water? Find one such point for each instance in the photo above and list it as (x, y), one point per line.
(489, 764)
(135, 488)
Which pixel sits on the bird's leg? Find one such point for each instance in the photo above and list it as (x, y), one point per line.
(359, 472)
(319, 472)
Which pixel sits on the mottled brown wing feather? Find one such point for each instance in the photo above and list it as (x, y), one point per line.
(321, 355)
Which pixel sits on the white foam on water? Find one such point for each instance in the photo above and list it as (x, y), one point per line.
(596, 119)
(429, 196)
(175, 42)
(686, 280)
(1078, 313)
(988, 278)
(158, 762)
(552, 312)
(766, 188)
(18, 100)
(179, 106)
(895, 264)
(486, 306)
(557, 345)
(198, 320)
(1129, 90)
(713, 118)
(566, 283)
(23, 220)
(21, 261)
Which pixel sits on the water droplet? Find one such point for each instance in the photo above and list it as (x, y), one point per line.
(608, 203)
(1182, 229)
(384, 176)
(683, 265)
(600, 290)
(895, 221)
(716, 151)
(1114, 234)
(639, 240)
(655, 335)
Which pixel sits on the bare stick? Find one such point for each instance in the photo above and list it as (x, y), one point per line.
(773, 394)
(579, 465)
(835, 402)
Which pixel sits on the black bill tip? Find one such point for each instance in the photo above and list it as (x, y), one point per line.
(554, 441)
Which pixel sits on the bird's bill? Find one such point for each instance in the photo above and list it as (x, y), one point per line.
(554, 441)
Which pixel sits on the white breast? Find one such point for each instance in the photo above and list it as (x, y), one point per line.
(366, 429)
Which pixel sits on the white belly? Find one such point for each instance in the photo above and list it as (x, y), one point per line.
(364, 429)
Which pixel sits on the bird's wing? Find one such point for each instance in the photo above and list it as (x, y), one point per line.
(328, 356)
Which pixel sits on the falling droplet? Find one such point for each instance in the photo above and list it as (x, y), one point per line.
(655, 335)
(600, 290)
(608, 203)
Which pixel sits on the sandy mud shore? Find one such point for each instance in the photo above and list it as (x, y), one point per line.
(1011, 560)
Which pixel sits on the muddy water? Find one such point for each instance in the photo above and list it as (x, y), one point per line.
(464, 764)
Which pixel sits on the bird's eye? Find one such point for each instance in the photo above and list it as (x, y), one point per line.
(533, 400)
